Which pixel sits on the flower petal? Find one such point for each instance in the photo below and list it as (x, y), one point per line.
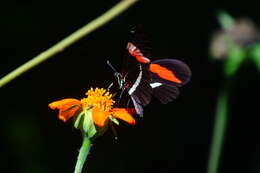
(99, 116)
(124, 114)
(67, 108)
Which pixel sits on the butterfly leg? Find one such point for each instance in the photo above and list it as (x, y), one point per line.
(108, 88)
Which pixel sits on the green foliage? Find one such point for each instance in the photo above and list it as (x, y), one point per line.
(235, 58)
(78, 120)
(85, 123)
(255, 55)
(114, 120)
(88, 124)
(225, 20)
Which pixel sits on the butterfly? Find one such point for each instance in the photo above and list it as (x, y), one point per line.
(141, 77)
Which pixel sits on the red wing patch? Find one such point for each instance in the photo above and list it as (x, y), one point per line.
(164, 73)
(135, 52)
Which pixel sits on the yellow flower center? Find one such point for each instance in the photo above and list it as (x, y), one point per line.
(98, 98)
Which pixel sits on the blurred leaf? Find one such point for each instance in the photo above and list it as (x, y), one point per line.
(234, 60)
(255, 55)
(225, 20)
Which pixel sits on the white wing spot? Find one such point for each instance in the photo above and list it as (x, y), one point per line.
(155, 84)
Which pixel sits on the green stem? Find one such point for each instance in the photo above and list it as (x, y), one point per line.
(60, 46)
(83, 153)
(218, 131)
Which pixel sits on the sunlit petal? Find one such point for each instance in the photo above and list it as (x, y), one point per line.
(99, 116)
(124, 114)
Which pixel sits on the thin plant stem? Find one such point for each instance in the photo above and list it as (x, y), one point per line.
(219, 130)
(66, 42)
(83, 153)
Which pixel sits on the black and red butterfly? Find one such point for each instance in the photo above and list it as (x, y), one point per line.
(142, 78)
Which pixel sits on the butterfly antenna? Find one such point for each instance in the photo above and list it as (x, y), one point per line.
(110, 65)
(117, 75)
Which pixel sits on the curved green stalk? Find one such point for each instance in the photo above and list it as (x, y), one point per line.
(218, 131)
(83, 153)
(60, 46)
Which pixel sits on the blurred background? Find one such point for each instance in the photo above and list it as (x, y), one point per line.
(170, 138)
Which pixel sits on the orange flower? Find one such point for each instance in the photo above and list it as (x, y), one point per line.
(67, 108)
(99, 101)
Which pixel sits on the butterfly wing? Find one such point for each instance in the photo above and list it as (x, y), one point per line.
(167, 76)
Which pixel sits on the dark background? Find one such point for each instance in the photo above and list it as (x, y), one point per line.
(170, 138)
